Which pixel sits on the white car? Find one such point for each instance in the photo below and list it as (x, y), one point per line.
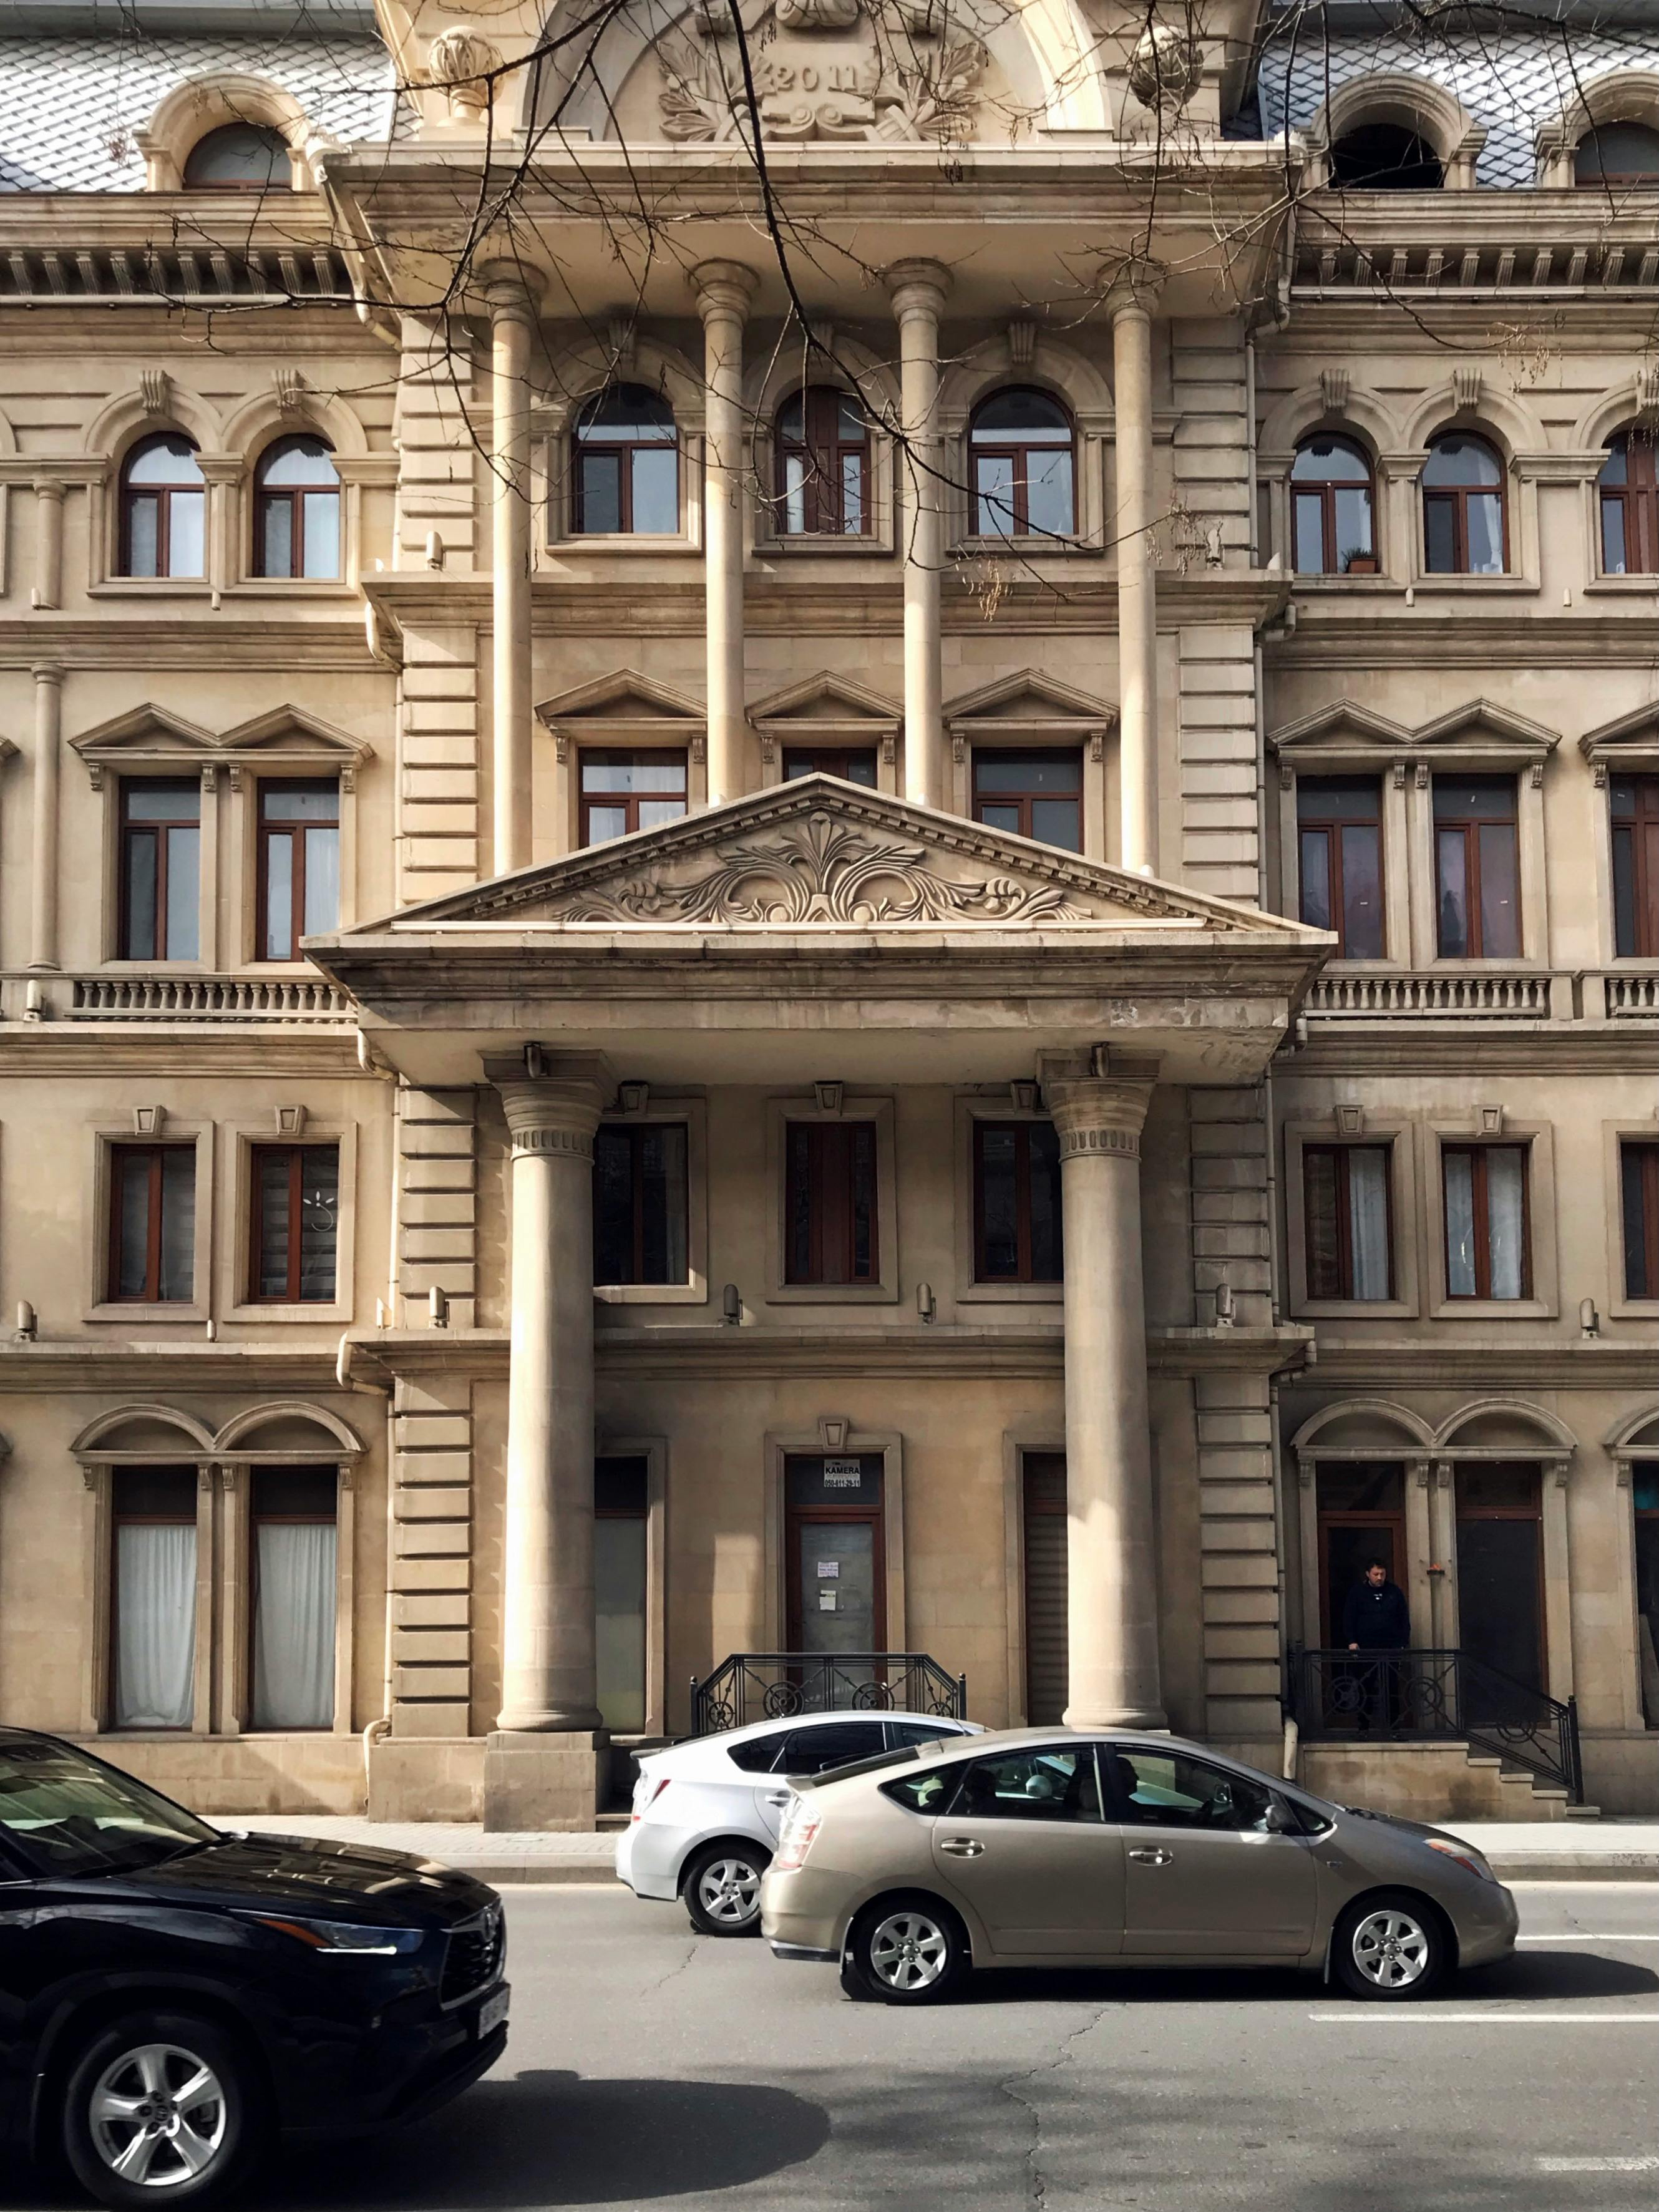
(706, 1812)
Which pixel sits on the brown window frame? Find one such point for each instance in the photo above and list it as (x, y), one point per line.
(633, 1134)
(1638, 499)
(1019, 452)
(831, 1201)
(118, 1520)
(118, 1155)
(1457, 496)
(129, 493)
(831, 760)
(1478, 1191)
(622, 450)
(1645, 1156)
(1025, 800)
(825, 451)
(292, 1295)
(1471, 826)
(1638, 836)
(157, 828)
(1331, 833)
(266, 833)
(630, 801)
(1021, 1132)
(1324, 489)
(266, 496)
(1342, 1154)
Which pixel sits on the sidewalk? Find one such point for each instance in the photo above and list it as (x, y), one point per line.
(1519, 1851)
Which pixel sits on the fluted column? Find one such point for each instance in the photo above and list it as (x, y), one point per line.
(1132, 301)
(919, 290)
(547, 1626)
(724, 291)
(43, 844)
(512, 308)
(1111, 1577)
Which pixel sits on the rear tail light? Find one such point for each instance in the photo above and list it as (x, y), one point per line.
(799, 1827)
(646, 1794)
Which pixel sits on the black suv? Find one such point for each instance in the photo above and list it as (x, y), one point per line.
(171, 1994)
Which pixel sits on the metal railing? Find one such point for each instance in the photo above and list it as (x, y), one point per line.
(770, 1685)
(1448, 1696)
(208, 999)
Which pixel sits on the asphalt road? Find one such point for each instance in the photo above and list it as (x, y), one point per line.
(650, 2066)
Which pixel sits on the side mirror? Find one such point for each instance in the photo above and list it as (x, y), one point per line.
(1276, 1821)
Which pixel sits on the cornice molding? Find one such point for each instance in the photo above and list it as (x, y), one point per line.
(1401, 1364)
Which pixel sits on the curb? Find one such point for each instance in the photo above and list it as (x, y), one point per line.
(1630, 1866)
(567, 1873)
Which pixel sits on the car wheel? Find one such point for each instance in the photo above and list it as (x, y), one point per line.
(905, 1951)
(1389, 1947)
(722, 1889)
(161, 2109)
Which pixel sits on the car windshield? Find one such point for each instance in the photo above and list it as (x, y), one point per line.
(67, 1814)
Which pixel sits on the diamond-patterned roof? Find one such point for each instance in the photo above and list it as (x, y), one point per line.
(70, 107)
(1511, 81)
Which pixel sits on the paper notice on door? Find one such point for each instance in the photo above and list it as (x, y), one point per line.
(844, 1475)
(829, 1571)
(826, 1600)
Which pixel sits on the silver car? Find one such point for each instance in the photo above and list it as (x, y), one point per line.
(1040, 1847)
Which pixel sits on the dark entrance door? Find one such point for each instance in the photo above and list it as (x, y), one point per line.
(1046, 1660)
(835, 1559)
(1362, 1518)
(1500, 1588)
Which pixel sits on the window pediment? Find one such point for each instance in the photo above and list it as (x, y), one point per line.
(827, 702)
(1349, 738)
(152, 740)
(1028, 701)
(1631, 742)
(623, 705)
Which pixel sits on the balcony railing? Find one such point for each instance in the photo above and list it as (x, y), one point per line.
(207, 998)
(772, 1686)
(1631, 997)
(1417, 997)
(1403, 1697)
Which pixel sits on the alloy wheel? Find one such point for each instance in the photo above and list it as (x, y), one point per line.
(908, 1951)
(1391, 1949)
(157, 2115)
(728, 1890)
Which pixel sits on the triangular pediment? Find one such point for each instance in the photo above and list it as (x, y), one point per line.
(291, 729)
(1633, 737)
(146, 732)
(816, 851)
(829, 698)
(623, 696)
(1481, 723)
(1029, 696)
(1344, 726)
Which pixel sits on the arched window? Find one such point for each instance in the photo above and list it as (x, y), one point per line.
(1331, 508)
(1023, 450)
(1617, 154)
(163, 508)
(822, 464)
(1628, 490)
(626, 465)
(241, 157)
(296, 510)
(1385, 157)
(1464, 529)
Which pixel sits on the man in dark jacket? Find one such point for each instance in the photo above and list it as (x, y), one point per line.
(1375, 1620)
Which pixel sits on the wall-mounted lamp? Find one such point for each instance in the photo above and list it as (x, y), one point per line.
(437, 1306)
(925, 1303)
(731, 1305)
(1225, 1312)
(27, 1328)
(1589, 1321)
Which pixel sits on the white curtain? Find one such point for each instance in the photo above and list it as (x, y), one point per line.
(1460, 1225)
(154, 1625)
(1503, 1219)
(294, 1625)
(1368, 1220)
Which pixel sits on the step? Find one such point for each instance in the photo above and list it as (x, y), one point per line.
(1582, 1812)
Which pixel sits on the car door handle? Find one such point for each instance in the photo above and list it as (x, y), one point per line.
(963, 1847)
(1155, 1856)
(778, 1796)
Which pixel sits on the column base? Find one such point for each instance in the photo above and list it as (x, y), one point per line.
(545, 1781)
(1149, 1720)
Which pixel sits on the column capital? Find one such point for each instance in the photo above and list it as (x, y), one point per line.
(557, 1110)
(1098, 1114)
(1134, 289)
(49, 488)
(47, 672)
(917, 287)
(508, 288)
(724, 288)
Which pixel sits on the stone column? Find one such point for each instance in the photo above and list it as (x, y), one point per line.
(511, 326)
(49, 542)
(1112, 1576)
(43, 854)
(724, 289)
(1131, 303)
(541, 1768)
(919, 290)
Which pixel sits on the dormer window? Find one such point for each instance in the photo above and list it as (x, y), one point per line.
(240, 157)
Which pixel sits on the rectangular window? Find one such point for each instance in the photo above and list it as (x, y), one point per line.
(1487, 1225)
(160, 868)
(295, 1547)
(624, 791)
(639, 1209)
(1477, 868)
(152, 1219)
(1635, 808)
(1339, 838)
(829, 1202)
(299, 872)
(295, 1225)
(1639, 1176)
(153, 1633)
(856, 763)
(1034, 794)
(1017, 1210)
(1347, 1218)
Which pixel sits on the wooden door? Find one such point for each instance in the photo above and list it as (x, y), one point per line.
(1044, 1542)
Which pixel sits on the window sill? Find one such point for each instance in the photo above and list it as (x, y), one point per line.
(1622, 1309)
(619, 541)
(170, 1310)
(329, 1310)
(291, 588)
(832, 1294)
(1030, 549)
(1615, 588)
(1353, 1309)
(694, 1293)
(1460, 586)
(149, 587)
(1321, 580)
(874, 545)
(1011, 1294)
(1494, 1310)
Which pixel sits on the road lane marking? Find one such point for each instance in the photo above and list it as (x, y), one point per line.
(1645, 2165)
(1367, 2019)
(1577, 1937)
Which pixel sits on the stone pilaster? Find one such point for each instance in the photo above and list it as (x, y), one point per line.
(1133, 299)
(724, 291)
(919, 290)
(512, 328)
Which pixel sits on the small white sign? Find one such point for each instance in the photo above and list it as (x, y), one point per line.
(829, 1571)
(826, 1600)
(844, 1475)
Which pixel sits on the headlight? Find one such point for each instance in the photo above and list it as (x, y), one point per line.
(343, 1936)
(1462, 1855)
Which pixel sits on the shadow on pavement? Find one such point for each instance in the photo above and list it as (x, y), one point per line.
(1561, 1975)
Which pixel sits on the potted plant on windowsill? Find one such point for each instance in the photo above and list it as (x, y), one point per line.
(1360, 564)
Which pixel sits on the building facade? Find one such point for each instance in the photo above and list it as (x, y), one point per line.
(900, 902)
